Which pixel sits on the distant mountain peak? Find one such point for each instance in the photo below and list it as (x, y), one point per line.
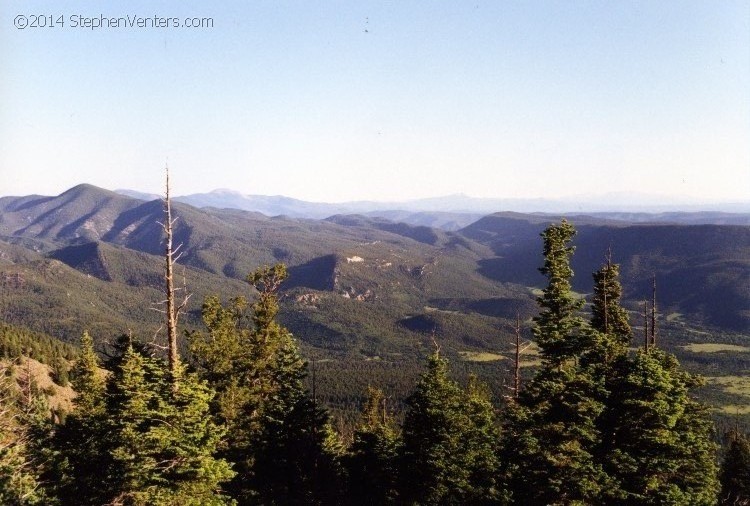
(226, 191)
(85, 188)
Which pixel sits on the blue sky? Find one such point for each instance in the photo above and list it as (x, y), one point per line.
(335, 101)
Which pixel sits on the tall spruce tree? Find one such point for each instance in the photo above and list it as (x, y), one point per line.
(80, 441)
(450, 442)
(161, 441)
(610, 330)
(225, 358)
(482, 443)
(372, 458)
(282, 445)
(88, 380)
(559, 328)
(434, 469)
(296, 460)
(607, 315)
(557, 428)
(658, 442)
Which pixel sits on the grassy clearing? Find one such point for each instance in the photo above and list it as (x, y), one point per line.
(715, 348)
(737, 385)
(429, 309)
(538, 292)
(481, 356)
(530, 362)
(735, 409)
(529, 356)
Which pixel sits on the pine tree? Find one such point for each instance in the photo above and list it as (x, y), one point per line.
(735, 471)
(80, 440)
(482, 443)
(162, 441)
(655, 441)
(297, 457)
(559, 327)
(19, 471)
(557, 428)
(371, 461)
(607, 315)
(296, 460)
(434, 469)
(450, 442)
(698, 470)
(282, 445)
(223, 358)
(658, 442)
(88, 380)
(132, 408)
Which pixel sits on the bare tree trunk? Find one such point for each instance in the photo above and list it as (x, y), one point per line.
(606, 287)
(169, 278)
(653, 314)
(314, 386)
(173, 308)
(517, 361)
(645, 325)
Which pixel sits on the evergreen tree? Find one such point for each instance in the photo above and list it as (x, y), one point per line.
(79, 442)
(698, 470)
(434, 467)
(372, 459)
(88, 380)
(735, 471)
(559, 327)
(607, 315)
(296, 460)
(224, 357)
(482, 441)
(655, 441)
(658, 442)
(283, 448)
(162, 441)
(133, 405)
(450, 440)
(297, 455)
(19, 471)
(557, 428)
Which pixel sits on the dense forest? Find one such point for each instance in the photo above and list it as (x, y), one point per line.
(605, 418)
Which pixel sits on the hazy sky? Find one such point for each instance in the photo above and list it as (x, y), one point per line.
(380, 100)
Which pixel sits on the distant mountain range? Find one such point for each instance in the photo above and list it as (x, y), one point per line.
(397, 269)
(456, 211)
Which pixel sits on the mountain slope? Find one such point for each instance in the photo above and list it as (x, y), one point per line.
(702, 271)
(390, 272)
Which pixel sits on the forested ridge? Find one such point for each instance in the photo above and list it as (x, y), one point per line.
(607, 417)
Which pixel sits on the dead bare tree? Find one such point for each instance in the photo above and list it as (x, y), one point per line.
(608, 257)
(519, 347)
(653, 313)
(173, 309)
(645, 325)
